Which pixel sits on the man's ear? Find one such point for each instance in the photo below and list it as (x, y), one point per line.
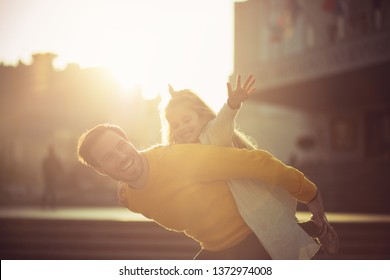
(100, 171)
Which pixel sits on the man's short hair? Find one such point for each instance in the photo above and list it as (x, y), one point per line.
(89, 138)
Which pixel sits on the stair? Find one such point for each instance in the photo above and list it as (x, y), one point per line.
(87, 239)
(26, 238)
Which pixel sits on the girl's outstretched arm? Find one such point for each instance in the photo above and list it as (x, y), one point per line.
(241, 92)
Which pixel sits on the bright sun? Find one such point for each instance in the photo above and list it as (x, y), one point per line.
(177, 42)
(147, 43)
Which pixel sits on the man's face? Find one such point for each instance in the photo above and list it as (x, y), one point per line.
(117, 157)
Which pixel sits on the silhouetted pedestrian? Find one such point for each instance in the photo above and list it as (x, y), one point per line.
(52, 173)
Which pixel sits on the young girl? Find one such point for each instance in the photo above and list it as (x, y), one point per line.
(269, 212)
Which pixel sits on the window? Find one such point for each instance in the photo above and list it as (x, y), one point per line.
(344, 134)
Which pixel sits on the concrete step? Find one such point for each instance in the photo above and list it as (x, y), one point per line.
(26, 238)
(68, 239)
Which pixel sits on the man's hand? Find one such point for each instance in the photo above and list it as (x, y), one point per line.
(316, 208)
(240, 93)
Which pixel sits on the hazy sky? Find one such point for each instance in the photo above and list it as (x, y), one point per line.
(188, 43)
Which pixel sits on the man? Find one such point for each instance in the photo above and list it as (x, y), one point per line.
(183, 188)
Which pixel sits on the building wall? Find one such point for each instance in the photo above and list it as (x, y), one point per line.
(322, 101)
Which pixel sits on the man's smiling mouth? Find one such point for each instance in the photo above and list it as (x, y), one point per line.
(128, 165)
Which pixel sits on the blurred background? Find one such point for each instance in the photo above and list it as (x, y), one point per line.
(322, 104)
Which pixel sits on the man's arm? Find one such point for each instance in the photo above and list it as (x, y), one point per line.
(223, 163)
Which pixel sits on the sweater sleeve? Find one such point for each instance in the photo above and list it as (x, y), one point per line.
(220, 130)
(224, 163)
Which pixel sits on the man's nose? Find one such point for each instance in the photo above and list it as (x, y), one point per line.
(120, 158)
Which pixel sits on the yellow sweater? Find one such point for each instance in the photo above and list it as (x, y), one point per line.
(186, 191)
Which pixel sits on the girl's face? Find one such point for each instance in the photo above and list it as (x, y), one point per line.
(185, 124)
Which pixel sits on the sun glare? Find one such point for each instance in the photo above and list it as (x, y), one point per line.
(147, 43)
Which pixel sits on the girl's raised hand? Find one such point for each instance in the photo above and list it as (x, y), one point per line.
(241, 92)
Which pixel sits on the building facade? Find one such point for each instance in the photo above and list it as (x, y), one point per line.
(323, 69)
